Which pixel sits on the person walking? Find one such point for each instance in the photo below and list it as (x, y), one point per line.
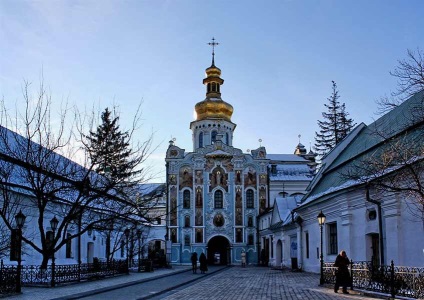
(342, 272)
(203, 263)
(194, 262)
(243, 259)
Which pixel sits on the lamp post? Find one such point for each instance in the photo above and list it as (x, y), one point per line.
(321, 221)
(20, 220)
(127, 235)
(139, 232)
(53, 224)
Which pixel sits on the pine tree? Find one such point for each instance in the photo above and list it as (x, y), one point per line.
(335, 126)
(109, 149)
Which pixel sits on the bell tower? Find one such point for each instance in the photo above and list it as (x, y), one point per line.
(213, 115)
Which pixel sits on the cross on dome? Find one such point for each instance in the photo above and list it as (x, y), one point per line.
(213, 44)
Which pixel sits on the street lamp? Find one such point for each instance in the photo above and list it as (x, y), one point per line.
(139, 232)
(20, 220)
(321, 221)
(53, 224)
(127, 234)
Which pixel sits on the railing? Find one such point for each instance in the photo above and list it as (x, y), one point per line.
(35, 276)
(393, 280)
(8, 279)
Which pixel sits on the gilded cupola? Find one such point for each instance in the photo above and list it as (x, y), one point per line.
(213, 107)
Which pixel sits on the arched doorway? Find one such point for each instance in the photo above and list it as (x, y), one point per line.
(219, 250)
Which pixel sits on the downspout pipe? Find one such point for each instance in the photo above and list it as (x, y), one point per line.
(380, 222)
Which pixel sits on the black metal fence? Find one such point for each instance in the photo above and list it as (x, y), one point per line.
(8, 278)
(35, 276)
(391, 279)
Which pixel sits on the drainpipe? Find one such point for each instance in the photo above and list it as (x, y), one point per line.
(380, 222)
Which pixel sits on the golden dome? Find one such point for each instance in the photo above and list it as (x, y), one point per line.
(213, 109)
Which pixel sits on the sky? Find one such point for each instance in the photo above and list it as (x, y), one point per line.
(278, 59)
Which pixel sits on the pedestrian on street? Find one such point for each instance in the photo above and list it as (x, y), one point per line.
(194, 262)
(342, 273)
(203, 263)
(243, 259)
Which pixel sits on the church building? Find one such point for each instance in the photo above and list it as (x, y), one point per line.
(216, 193)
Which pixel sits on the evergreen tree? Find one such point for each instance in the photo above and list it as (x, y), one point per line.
(335, 126)
(109, 149)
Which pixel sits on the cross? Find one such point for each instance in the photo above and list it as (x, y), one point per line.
(213, 44)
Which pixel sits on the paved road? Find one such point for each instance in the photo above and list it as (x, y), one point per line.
(258, 283)
(148, 288)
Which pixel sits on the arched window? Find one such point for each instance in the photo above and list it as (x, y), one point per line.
(217, 85)
(250, 199)
(227, 139)
(219, 199)
(214, 133)
(201, 140)
(186, 199)
(187, 221)
(209, 87)
(250, 239)
(213, 87)
(250, 221)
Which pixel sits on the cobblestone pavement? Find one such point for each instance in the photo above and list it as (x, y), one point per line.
(259, 283)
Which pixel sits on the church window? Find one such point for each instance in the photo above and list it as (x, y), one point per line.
(201, 140)
(199, 236)
(186, 199)
(209, 87)
(239, 235)
(226, 138)
(213, 87)
(174, 235)
(250, 221)
(187, 221)
(214, 133)
(217, 85)
(218, 199)
(249, 199)
(332, 238)
(250, 239)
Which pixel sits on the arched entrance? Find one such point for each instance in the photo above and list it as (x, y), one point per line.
(219, 251)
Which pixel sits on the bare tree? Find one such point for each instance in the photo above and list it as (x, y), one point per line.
(39, 175)
(410, 75)
(396, 164)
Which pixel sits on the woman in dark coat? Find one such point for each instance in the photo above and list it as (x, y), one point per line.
(194, 262)
(203, 263)
(342, 273)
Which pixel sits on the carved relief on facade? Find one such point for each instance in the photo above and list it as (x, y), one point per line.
(262, 199)
(186, 177)
(250, 177)
(199, 177)
(172, 179)
(262, 179)
(218, 177)
(238, 177)
(227, 164)
(173, 206)
(238, 207)
(218, 220)
(198, 219)
(199, 197)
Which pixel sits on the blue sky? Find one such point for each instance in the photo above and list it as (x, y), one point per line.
(278, 59)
